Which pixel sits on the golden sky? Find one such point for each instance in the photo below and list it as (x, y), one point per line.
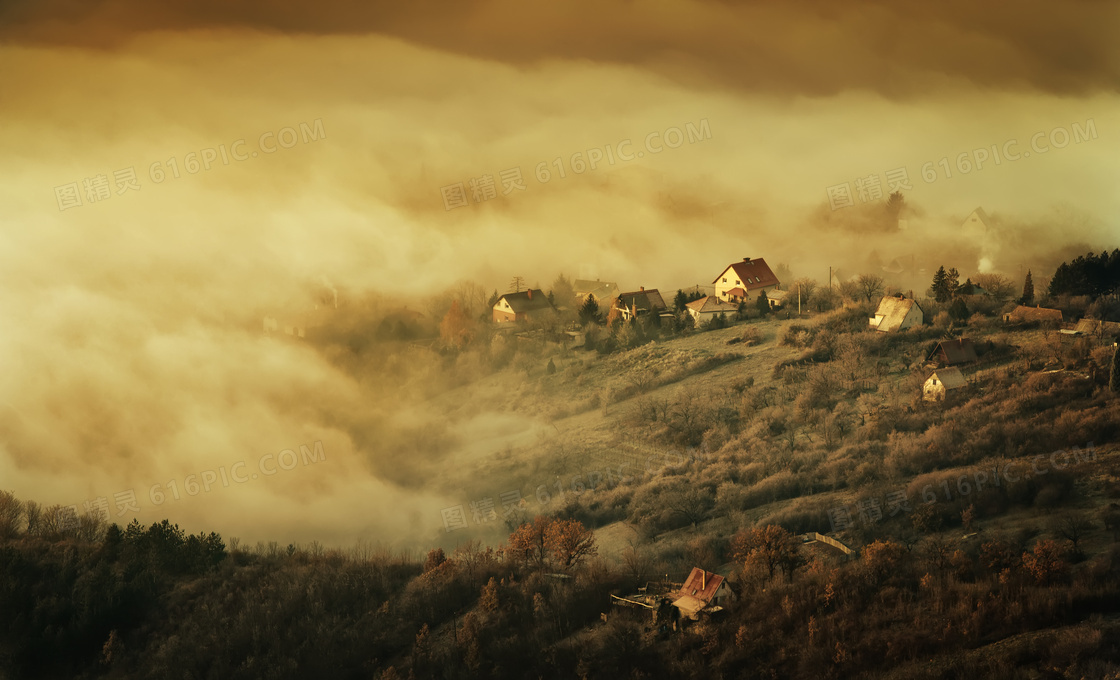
(132, 338)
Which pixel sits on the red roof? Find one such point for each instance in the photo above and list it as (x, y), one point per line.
(702, 585)
(752, 273)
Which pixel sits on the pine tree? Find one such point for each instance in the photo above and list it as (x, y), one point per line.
(680, 301)
(939, 290)
(762, 303)
(1028, 290)
(952, 283)
(589, 312)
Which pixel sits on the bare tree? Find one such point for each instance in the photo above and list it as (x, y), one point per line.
(870, 286)
(1073, 526)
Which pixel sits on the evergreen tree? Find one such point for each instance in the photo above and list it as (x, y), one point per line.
(952, 282)
(967, 289)
(494, 299)
(762, 303)
(680, 300)
(1028, 290)
(589, 312)
(939, 290)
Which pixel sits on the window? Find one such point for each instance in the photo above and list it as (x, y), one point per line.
(725, 279)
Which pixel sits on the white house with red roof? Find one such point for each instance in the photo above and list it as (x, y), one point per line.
(745, 280)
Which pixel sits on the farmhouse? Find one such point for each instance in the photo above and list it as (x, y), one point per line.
(1023, 313)
(709, 306)
(746, 279)
(641, 302)
(896, 314)
(602, 290)
(952, 352)
(523, 306)
(943, 381)
(703, 592)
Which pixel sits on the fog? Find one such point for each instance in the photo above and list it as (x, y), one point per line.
(133, 335)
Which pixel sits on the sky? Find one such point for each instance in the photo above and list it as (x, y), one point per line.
(170, 174)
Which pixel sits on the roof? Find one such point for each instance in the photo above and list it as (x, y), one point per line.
(777, 295)
(1024, 313)
(893, 310)
(602, 290)
(689, 604)
(1096, 326)
(977, 218)
(951, 378)
(642, 300)
(711, 304)
(526, 301)
(753, 273)
(701, 585)
(956, 351)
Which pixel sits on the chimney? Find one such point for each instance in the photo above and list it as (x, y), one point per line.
(703, 580)
(530, 292)
(746, 259)
(642, 288)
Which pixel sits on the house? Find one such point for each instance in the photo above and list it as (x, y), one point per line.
(941, 382)
(896, 314)
(602, 290)
(1023, 313)
(777, 298)
(709, 306)
(641, 302)
(522, 306)
(1097, 328)
(703, 592)
(745, 280)
(951, 352)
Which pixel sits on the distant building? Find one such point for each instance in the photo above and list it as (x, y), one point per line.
(1097, 328)
(745, 280)
(641, 302)
(952, 352)
(703, 592)
(942, 382)
(708, 306)
(523, 306)
(1023, 313)
(896, 314)
(602, 290)
(777, 298)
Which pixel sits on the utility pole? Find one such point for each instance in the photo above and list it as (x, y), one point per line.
(798, 300)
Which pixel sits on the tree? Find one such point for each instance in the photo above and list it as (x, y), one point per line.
(493, 299)
(870, 285)
(527, 544)
(762, 303)
(967, 288)
(1114, 375)
(952, 282)
(939, 289)
(680, 300)
(895, 204)
(455, 329)
(516, 284)
(589, 312)
(958, 309)
(569, 542)
(1045, 562)
(770, 547)
(998, 286)
(1028, 290)
(11, 512)
(1073, 527)
(564, 292)
(436, 557)
(881, 558)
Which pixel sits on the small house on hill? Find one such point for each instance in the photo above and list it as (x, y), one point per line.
(896, 314)
(941, 383)
(746, 279)
(1097, 328)
(1023, 313)
(522, 306)
(952, 352)
(602, 290)
(703, 592)
(709, 306)
(641, 302)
